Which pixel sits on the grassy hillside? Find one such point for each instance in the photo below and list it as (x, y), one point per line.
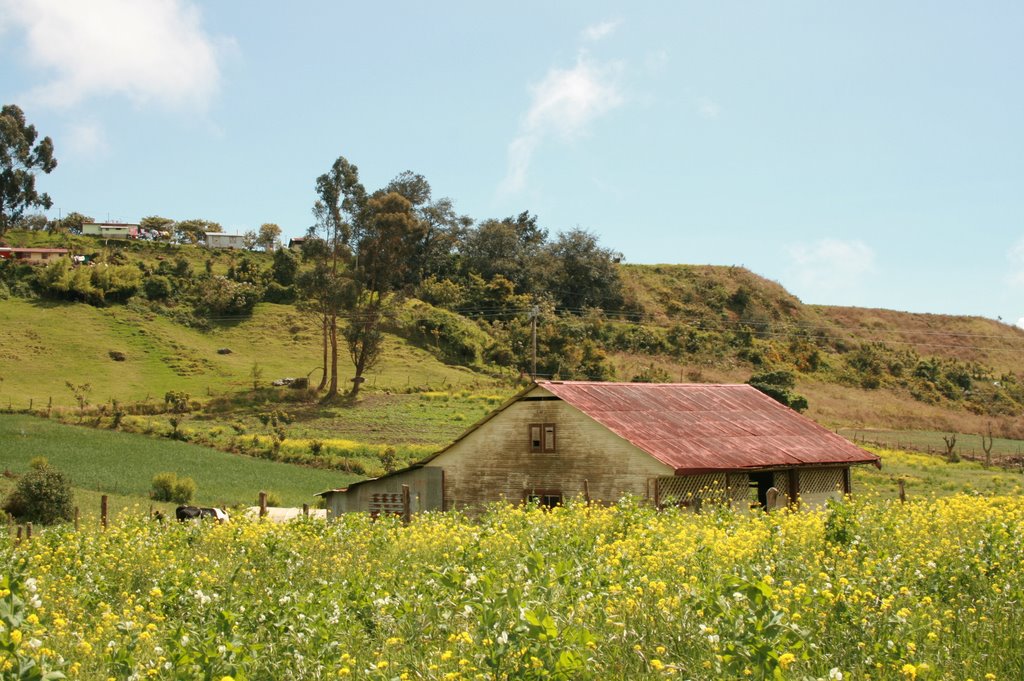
(858, 368)
(43, 344)
(101, 461)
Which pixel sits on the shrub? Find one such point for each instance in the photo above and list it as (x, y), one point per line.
(157, 287)
(43, 495)
(169, 487)
(276, 293)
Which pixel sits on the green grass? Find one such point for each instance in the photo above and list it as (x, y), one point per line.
(45, 344)
(931, 442)
(931, 475)
(122, 464)
(88, 503)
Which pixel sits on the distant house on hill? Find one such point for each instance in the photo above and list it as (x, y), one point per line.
(295, 243)
(33, 256)
(221, 240)
(682, 444)
(110, 230)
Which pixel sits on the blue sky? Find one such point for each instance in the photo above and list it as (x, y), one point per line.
(866, 154)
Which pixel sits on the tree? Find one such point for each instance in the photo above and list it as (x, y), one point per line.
(512, 247)
(584, 274)
(43, 495)
(20, 158)
(285, 267)
(778, 386)
(338, 211)
(268, 236)
(72, 222)
(157, 223)
(380, 264)
(192, 231)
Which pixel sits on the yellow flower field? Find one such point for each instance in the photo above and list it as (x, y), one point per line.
(863, 590)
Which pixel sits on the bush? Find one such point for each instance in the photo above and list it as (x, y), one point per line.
(276, 293)
(43, 495)
(157, 288)
(169, 487)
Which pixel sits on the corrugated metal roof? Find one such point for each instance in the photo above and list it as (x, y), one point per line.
(701, 427)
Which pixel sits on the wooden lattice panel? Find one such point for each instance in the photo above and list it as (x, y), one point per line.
(818, 480)
(781, 483)
(739, 487)
(685, 490)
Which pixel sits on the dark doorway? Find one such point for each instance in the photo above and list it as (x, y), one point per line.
(762, 481)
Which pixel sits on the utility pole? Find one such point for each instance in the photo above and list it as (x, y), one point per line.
(534, 312)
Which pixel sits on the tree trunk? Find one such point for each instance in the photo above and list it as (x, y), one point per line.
(323, 365)
(332, 391)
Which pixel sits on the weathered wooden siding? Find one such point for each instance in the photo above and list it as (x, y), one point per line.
(494, 462)
(424, 492)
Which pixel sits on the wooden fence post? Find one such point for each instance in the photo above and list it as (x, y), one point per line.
(28, 530)
(586, 492)
(78, 515)
(903, 492)
(406, 505)
(103, 511)
(263, 504)
(657, 494)
(19, 534)
(305, 510)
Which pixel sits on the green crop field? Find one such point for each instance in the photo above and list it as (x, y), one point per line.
(102, 461)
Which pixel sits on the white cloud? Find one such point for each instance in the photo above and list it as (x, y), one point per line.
(146, 50)
(599, 31)
(830, 266)
(1020, 322)
(1016, 257)
(708, 108)
(563, 105)
(86, 139)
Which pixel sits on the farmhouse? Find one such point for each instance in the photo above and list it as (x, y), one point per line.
(33, 256)
(682, 444)
(221, 240)
(110, 230)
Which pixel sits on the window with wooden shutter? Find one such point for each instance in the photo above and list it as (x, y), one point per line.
(536, 437)
(549, 437)
(542, 437)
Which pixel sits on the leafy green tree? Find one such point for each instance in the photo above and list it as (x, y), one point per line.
(512, 247)
(584, 274)
(381, 261)
(433, 251)
(778, 385)
(20, 158)
(72, 222)
(42, 495)
(285, 266)
(192, 231)
(338, 211)
(157, 223)
(269, 236)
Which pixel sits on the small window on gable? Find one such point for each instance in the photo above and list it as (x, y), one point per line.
(542, 437)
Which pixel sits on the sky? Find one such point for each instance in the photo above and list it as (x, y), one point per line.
(867, 154)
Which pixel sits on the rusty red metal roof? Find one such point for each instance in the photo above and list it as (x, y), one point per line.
(14, 249)
(697, 428)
